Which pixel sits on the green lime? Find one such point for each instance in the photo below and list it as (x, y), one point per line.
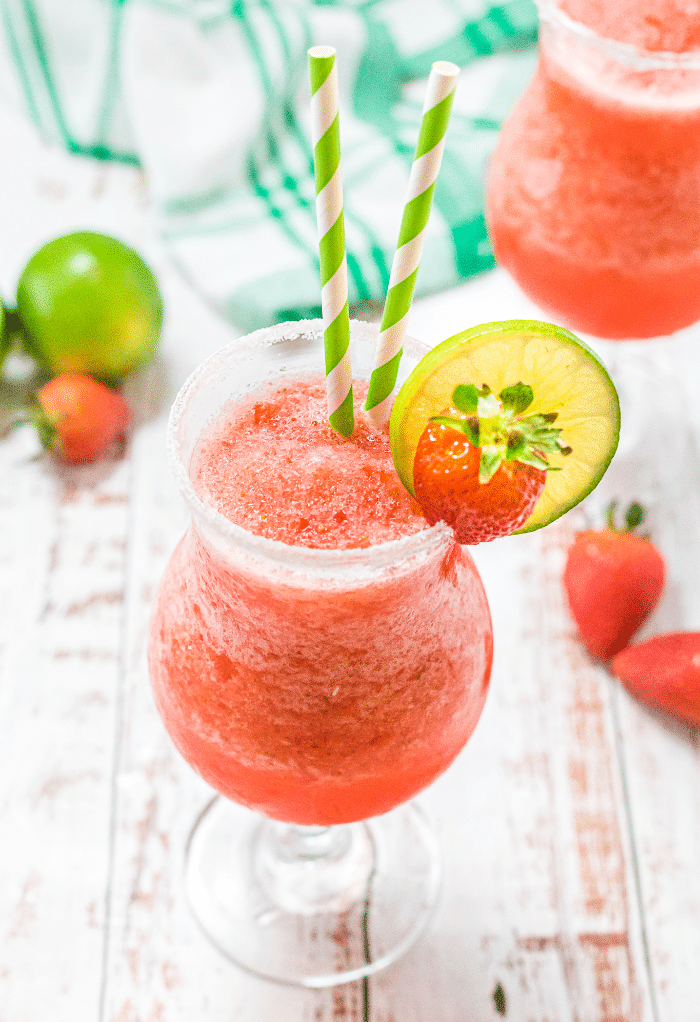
(565, 376)
(89, 304)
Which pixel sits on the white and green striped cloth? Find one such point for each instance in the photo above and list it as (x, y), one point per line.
(211, 98)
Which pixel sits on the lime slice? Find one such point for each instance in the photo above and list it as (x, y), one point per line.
(565, 376)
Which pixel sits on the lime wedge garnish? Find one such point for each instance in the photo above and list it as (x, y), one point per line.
(566, 377)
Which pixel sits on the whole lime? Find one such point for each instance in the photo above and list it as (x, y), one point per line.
(89, 304)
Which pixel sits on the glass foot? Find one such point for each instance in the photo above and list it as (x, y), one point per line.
(311, 906)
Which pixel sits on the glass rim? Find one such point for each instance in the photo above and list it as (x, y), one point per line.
(314, 561)
(625, 53)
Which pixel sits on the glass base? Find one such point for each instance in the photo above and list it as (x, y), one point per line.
(311, 906)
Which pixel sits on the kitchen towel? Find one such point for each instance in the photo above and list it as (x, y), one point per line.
(211, 99)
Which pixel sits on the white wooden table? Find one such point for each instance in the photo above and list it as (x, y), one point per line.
(570, 824)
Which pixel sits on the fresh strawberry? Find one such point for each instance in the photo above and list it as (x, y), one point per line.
(481, 465)
(664, 672)
(613, 580)
(78, 418)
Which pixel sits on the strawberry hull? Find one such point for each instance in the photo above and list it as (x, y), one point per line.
(446, 478)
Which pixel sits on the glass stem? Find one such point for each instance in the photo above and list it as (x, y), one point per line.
(310, 843)
(311, 870)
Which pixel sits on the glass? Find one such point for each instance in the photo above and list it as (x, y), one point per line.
(592, 206)
(320, 688)
(594, 186)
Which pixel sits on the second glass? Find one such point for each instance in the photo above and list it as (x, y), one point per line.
(594, 186)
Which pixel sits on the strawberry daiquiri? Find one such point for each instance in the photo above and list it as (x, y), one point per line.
(318, 653)
(316, 700)
(594, 185)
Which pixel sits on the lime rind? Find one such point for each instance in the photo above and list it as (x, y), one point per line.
(566, 376)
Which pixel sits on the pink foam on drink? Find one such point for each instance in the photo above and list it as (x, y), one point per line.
(670, 25)
(273, 465)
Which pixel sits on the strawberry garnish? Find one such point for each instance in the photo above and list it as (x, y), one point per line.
(481, 465)
(77, 418)
(613, 580)
(664, 672)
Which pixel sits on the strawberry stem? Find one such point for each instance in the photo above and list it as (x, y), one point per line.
(634, 516)
(500, 428)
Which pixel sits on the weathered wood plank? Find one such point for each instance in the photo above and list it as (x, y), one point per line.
(661, 757)
(62, 539)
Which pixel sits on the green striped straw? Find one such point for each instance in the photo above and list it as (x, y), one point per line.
(325, 134)
(404, 269)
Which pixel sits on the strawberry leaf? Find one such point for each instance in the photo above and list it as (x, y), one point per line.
(515, 445)
(534, 458)
(516, 398)
(47, 432)
(634, 516)
(465, 398)
(470, 426)
(45, 423)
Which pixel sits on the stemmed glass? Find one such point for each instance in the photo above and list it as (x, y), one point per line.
(592, 206)
(317, 691)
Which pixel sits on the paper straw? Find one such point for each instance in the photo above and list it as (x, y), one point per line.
(404, 269)
(331, 234)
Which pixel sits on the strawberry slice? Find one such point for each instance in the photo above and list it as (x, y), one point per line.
(481, 465)
(665, 673)
(613, 580)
